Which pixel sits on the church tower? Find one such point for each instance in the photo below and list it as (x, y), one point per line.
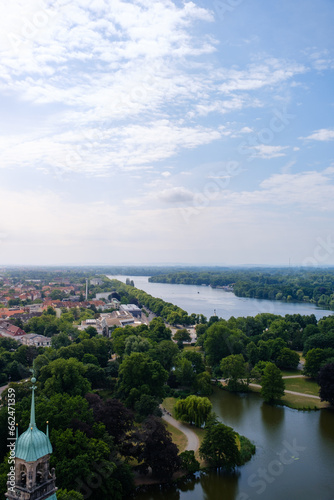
(33, 479)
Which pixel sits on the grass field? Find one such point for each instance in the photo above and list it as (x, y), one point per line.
(290, 373)
(304, 385)
(303, 402)
(178, 437)
(169, 403)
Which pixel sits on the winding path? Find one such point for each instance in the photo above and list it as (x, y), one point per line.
(193, 441)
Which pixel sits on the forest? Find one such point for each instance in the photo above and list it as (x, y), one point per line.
(287, 284)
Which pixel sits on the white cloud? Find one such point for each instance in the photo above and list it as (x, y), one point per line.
(175, 195)
(256, 76)
(267, 152)
(309, 190)
(91, 150)
(123, 73)
(324, 134)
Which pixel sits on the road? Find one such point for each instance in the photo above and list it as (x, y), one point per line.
(193, 441)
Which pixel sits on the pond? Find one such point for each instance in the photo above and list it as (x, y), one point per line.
(294, 455)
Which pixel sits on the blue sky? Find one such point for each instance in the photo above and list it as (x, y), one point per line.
(167, 132)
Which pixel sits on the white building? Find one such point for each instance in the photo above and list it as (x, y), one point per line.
(33, 339)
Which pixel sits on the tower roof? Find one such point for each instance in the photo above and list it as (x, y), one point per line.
(33, 443)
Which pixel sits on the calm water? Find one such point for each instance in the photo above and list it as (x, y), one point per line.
(294, 450)
(294, 455)
(205, 300)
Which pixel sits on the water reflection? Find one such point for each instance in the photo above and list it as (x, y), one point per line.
(164, 492)
(326, 429)
(272, 418)
(228, 406)
(220, 485)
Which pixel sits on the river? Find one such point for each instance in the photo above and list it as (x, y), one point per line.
(206, 300)
(294, 449)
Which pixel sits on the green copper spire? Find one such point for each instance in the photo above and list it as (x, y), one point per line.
(32, 410)
(33, 443)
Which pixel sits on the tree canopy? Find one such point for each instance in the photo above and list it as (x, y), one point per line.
(272, 383)
(219, 446)
(193, 409)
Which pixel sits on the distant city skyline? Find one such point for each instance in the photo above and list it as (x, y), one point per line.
(145, 133)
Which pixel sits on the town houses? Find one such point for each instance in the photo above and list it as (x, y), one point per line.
(23, 299)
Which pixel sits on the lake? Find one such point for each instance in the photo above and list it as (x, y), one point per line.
(294, 455)
(206, 300)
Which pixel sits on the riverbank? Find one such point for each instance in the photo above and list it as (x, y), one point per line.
(208, 301)
(297, 400)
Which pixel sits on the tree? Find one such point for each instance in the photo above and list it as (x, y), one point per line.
(147, 405)
(217, 344)
(64, 375)
(25, 355)
(193, 409)
(287, 359)
(233, 367)
(90, 465)
(17, 371)
(60, 410)
(117, 419)
(139, 374)
(135, 343)
(272, 383)
(158, 330)
(165, 352)
(60, 340)
(92, 332)
(219, 446)
(184, 372)
(203, 384)
(69, 495)
(96, 376)
(57, 295)
(253, 353)
(182, 335)
(326, 382)
(74, 454)
(159, 453)
(189, 462)
(313, 360)
(196, 360)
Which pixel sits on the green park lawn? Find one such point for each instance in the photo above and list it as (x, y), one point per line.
(304, 385)
(302, 402)
(290, 373)
(178, 437)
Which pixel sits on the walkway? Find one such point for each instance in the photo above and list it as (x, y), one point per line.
(3, 388)
(291, 392)
(193, 441)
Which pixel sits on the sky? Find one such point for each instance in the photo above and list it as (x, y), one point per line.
(167, 132)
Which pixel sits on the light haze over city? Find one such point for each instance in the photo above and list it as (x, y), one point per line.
(167, 132)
